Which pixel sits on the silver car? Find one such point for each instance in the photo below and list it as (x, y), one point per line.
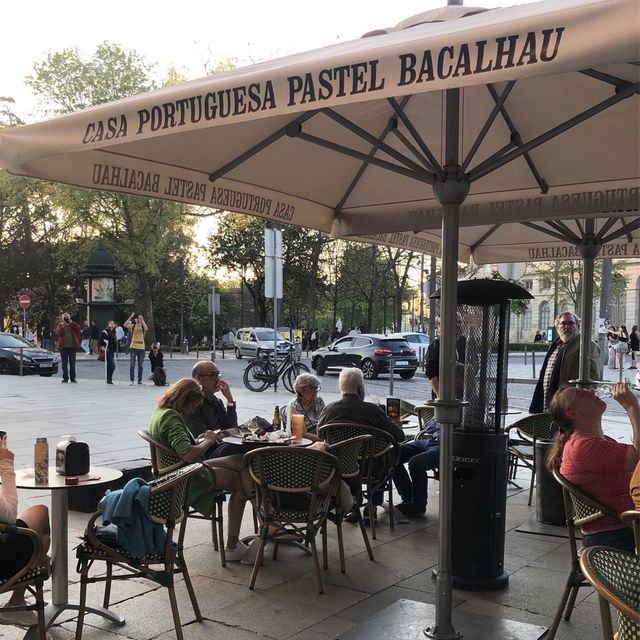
(253, 342)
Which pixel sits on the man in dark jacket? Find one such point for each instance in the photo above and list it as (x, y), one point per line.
(68, 334)
(562, 362)
(353, 408)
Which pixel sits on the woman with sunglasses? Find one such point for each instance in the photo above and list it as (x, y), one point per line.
(598, 465)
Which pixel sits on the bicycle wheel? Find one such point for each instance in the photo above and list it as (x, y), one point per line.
(291, 373)
(257, 376)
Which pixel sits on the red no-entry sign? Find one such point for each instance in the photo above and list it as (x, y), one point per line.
(25, 301)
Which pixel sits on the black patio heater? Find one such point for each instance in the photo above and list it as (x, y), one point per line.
(479, 446)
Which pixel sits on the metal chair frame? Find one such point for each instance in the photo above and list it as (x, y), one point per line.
(349, 454)
(521, 449)
(33, 575)
(168, 506)
(165, 460)
(282, 474)
(602, 567)
(579, 509)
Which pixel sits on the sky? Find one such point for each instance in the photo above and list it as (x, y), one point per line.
(188, 35)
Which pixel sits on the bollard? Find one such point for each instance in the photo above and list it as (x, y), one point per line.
(197, 352)
(525, 355)
(21, 355)
(390, 376)
(533, 363)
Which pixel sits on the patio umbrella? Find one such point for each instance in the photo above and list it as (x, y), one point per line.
(455, 116)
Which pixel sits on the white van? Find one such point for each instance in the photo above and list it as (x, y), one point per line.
(256, 341)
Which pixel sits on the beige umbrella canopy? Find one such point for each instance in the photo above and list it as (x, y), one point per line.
(348, 139)
(457, 117)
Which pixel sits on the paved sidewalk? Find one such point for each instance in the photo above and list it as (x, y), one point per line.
(285, 604)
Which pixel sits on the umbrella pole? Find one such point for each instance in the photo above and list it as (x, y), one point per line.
(588, 249)
(450, 193)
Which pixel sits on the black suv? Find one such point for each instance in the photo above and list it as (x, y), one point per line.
(371, 352)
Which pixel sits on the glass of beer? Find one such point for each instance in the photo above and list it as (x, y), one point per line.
(297, 425)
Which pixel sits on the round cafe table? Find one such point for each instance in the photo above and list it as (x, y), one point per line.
(248, 445)
(25, 479)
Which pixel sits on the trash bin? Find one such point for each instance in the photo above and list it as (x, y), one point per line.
(479, 506)
(549, 504)
(185, 346)
(213, 356)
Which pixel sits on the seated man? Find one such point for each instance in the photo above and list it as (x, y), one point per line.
(424, 455)
(213, 413)
(352, 408)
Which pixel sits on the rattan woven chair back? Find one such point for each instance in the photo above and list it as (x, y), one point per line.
(165, 460)
(380, 458)
(615, 575)
(523, 435)
(294, 490)
(32, 576)
(579, 509)
(168, 507)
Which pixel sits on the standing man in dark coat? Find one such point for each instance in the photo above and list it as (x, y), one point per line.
(562, 362)
(68, 334)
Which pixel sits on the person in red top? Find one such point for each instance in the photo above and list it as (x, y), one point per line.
(68, 333)
(598, 465)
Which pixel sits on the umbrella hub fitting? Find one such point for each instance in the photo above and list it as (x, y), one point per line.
(589, 246)
(452, 190)
(448, 411)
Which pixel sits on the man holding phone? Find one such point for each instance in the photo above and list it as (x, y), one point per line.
(68, 334)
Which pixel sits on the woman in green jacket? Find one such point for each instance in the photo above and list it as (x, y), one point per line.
(168, 426)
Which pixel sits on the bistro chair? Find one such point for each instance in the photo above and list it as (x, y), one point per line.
(349, 454)
(168, 507)
(523, 435)
(164, 460)
(295, 488)
(380, 458)
(615, 575)
(579, 509)
(32, 576)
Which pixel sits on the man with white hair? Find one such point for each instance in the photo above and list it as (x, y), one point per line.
(562, 362)
(353, 408)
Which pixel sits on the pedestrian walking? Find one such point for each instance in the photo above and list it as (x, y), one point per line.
(634, 346)
(108, 342)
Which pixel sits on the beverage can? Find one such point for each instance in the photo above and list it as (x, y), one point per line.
(41, 461)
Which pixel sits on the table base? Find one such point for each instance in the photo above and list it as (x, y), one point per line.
(53, 611)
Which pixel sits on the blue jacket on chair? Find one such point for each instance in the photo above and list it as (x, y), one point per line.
(128, 509)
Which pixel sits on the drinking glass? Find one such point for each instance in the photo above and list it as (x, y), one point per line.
(605, 390)
(297, 425)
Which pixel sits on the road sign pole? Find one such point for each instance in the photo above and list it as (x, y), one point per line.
(213, 324)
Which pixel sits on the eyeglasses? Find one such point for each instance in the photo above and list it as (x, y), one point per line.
(215, 374)
(566, 324)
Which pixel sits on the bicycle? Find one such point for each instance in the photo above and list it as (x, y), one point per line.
(261, 374)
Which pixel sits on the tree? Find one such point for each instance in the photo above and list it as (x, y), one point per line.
(140, 232)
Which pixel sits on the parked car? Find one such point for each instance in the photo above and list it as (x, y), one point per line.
(371, 352)
(34, 359)
(415, 340)
(256, 341)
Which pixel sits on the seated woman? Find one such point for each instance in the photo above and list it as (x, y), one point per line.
(598, 465)
(167, 425)
(156, 359)
(15, 549)
(306, 387)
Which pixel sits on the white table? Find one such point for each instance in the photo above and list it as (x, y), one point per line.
(60, 602)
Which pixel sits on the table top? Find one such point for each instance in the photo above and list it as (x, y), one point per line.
(25, 478)
(251, 444)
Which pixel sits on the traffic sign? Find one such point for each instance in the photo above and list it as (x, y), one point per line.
(25, 301)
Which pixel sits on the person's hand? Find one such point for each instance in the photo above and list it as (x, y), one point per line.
(5, 452)
(224, 389)
(211, 437)
(622, 393)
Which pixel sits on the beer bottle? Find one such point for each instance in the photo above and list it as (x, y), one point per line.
(277, 423)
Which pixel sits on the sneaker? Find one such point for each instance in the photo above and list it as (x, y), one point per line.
(74, 381)
(139, 382)
(411, 510)
(235, 555)
(109, 382)
(20, 618)
(252, 552)
(63, 381)
(351, 517)
(131, 384)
